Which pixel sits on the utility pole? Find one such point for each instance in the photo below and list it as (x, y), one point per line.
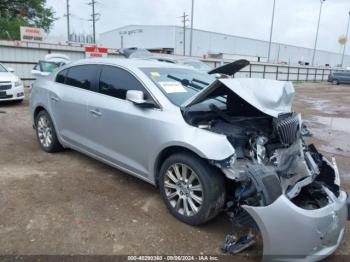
(318, 27)
(68, 23)
(191, 37)
(347, 33)
(184, 20)
(94, 19)
(271, 30)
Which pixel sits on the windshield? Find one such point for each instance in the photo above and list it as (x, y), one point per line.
(199, 65)
(178, 84)
(2, 68)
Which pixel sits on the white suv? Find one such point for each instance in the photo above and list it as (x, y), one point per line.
(11, 87)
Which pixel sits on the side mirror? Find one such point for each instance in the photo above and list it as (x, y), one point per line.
(138, 98)
(10, 69)
(39, 73)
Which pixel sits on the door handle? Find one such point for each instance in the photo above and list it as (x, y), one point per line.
(55, 99)
(95, 112)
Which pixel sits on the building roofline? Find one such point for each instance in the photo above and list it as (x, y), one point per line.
(224, 34)
(119, 28)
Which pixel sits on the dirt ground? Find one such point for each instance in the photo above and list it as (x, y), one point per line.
(68, 203)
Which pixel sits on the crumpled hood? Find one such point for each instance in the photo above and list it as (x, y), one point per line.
(7, 76)
(269, 96)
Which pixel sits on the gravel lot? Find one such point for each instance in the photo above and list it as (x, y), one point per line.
(68, 203)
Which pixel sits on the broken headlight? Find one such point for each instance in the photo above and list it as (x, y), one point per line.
(226, 163)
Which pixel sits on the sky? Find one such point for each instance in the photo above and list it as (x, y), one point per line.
(295, 20)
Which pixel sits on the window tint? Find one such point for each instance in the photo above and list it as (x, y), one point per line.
(61, 76)
(116, 82)
(81, 76)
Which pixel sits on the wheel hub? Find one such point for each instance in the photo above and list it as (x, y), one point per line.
(44, 131)
(183, 189)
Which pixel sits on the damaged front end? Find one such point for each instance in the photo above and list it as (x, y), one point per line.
(276, 183)
(300, 219)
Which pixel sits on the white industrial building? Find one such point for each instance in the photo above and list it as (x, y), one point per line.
(170, 39)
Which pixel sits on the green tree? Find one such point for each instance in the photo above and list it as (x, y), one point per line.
(16, 13)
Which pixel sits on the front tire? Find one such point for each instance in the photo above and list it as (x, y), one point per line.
(193, 190)
(46, 133)
(335, 82)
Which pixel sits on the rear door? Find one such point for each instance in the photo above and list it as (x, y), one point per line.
(120, 130)
(346, 77)
(342, 77)
(68, 100)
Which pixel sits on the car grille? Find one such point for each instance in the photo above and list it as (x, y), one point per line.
(5, 96)
(5, 86)
(287, 127)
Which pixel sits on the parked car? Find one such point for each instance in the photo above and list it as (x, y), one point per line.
(11, 87)
(340, 77)
(208, 144)
(191, 62)
(135, 52)
(141, 53)
(49, 64)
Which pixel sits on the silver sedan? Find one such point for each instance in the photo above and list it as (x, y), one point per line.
(209, 142)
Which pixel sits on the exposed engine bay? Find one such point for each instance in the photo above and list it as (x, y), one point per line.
(266, 145)
(271, 159)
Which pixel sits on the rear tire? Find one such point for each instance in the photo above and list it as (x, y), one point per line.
(192, 189)
(335, 82)
(46, 133)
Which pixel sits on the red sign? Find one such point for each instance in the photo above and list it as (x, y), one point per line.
(94, 51)
(31, 33)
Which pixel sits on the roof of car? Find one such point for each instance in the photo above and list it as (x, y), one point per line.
(124, 62)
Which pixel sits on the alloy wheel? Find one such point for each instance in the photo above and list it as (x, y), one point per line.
(183, 189)
(44, 130)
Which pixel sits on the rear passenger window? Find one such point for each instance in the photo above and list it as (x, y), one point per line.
(116, 82)
(81, 76)
(61, 76)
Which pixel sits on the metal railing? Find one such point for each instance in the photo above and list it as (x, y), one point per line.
(16, 54)
(284, 72)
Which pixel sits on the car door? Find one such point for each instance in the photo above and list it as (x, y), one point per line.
(120, 130)
(346, 77)
(68, 100)
(343, 77)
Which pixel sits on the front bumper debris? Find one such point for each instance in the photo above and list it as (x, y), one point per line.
(290, 232)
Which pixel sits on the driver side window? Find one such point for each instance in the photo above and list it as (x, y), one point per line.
(116, 82)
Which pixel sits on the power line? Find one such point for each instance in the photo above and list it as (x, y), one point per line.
(94, 19)
(347, 34)
(184, 20)
(271, 30)
(191, 37)
(318, 27)
(68, 22)
(78, 17)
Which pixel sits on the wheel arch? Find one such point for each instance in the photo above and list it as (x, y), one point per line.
(40, 108)
(167, 152)
(37, 110)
